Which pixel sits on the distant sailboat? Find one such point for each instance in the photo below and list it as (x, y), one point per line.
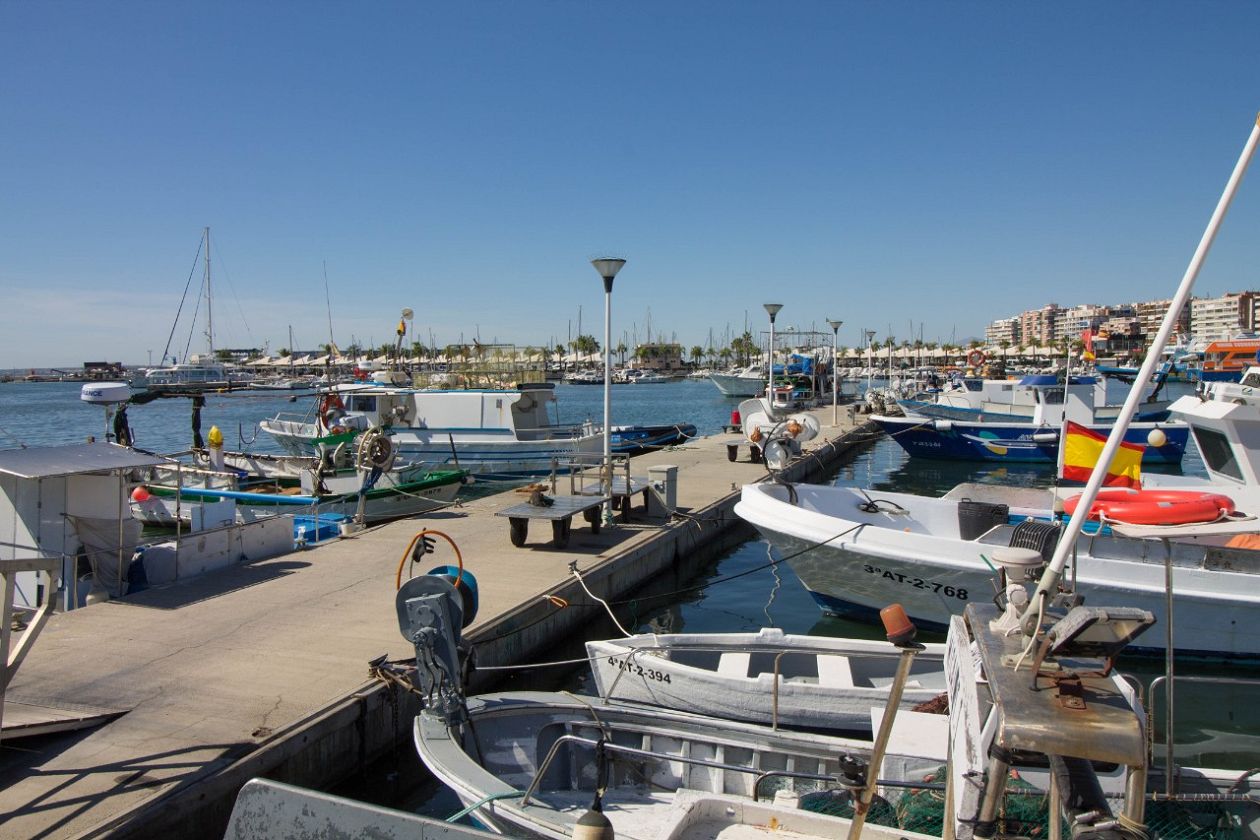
(180, 377)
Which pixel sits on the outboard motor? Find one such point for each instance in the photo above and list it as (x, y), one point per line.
(433, 609)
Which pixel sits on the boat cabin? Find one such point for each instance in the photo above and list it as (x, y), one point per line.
(1225, 424)
(523, 412)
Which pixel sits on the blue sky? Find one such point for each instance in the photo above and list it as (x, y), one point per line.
(887, 163)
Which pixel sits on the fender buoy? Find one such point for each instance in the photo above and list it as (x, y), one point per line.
(1156, 507)
(975, 358)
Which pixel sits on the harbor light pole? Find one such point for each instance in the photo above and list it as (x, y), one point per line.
(835, 360)
(608, 268)
(772, 309)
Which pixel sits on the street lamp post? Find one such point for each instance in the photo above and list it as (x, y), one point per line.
(835, 380)
(772, 309)
(608, 268)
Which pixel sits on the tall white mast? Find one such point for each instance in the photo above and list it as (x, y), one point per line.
(209, 308)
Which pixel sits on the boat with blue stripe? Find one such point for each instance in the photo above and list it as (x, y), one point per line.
(927, 437)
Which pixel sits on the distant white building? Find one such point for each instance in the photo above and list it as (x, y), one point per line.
(1071, 322)
(1224, 317)
(1003, 329)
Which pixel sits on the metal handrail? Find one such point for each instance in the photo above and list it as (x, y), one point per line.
(1153, 694)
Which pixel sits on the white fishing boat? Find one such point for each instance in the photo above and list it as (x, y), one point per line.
(554, 765)
(770, 677)
(492, 433)
(974, 399)
(857, 550)
(747, 381)
(1188, 547)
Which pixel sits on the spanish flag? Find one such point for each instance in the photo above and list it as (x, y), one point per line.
(1080, 448)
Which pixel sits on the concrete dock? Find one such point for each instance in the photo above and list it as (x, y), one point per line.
(261, 670)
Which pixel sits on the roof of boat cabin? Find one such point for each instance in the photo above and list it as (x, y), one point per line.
(49, 461)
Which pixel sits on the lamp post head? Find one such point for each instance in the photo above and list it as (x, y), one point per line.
(773, 309)
(608, 268)
(835, 325)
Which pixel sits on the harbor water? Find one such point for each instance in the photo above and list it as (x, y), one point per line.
(745, 590)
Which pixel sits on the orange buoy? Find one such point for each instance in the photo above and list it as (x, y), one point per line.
(141, 494)
(1156, 507)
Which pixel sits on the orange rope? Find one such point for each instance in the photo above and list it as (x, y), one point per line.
(459, 558)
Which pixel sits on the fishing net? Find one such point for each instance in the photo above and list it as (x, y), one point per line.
(1025, 812)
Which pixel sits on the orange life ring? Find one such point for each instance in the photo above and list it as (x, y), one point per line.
(330, 410)
(1156, 507)
(975, 358)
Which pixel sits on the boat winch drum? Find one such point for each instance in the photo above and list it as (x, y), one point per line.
(1156, 507)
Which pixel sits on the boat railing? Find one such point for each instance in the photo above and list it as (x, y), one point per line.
(642, 753)
(586, 473)
(1167, 684)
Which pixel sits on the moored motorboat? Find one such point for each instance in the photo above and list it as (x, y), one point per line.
(770, 677)
(635, 440)
(857, 550)
(494, 434)
(1019, 442)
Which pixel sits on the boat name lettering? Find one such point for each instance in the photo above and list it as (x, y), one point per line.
(917, 582)
(638, 670)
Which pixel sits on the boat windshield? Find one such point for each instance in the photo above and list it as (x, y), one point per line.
(1216, 452)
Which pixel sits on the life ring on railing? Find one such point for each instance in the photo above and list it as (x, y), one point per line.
(331, 409)
(1156, 507)
(975, 358)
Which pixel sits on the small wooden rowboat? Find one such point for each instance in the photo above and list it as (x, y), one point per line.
(764, 677)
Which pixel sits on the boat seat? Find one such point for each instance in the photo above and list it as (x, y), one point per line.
(733, 664)
(1040, 536)
(834, 671)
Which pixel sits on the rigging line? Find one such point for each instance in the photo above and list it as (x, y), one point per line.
(182, 299)
(218, 255)
(193, 327)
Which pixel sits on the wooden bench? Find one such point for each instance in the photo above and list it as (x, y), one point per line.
(559, 513)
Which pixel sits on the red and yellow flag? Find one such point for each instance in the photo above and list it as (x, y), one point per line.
(1081, 449)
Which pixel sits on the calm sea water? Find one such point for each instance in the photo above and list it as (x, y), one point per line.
(743, 591)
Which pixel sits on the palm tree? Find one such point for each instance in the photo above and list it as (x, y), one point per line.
(697, 355)
(620, 350)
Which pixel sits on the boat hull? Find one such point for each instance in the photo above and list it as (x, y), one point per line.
(434, 491)
(488, 455)
(907, 550)
(635, 440)
(767, 677)
(514, 732)
(1015, 442)
(738, 386)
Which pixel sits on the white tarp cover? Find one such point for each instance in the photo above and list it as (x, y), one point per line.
(48, 461)
(100, 543)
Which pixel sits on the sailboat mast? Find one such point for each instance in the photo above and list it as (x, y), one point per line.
(209, 307)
